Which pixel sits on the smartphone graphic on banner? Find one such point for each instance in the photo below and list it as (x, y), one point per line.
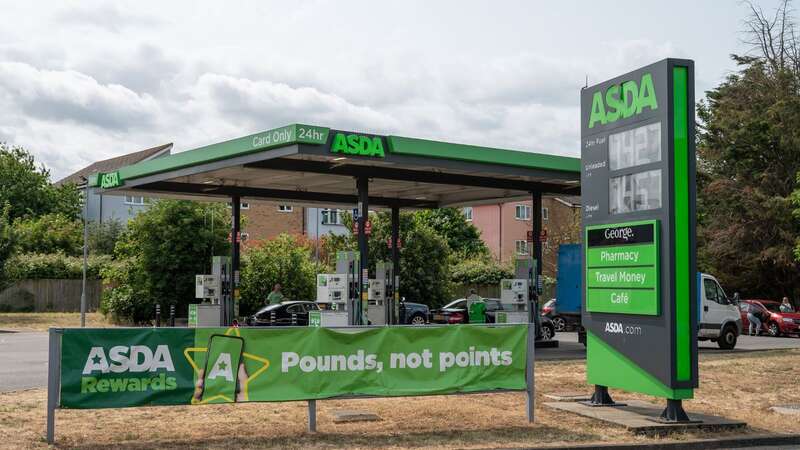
(222, 368)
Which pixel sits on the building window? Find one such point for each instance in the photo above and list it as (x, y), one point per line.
(285, 208)
(523, 212)
(545, 214)
(242, 205)
(134, 200)
(521, 247)
(331, 217)
(468, 213)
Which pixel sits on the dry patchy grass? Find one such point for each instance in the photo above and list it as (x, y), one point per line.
(44, 320)
(473, 421)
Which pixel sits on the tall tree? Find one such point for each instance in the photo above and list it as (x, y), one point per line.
(748, 159)
(26, 187)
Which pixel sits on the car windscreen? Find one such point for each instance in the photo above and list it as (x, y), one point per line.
(774, 307)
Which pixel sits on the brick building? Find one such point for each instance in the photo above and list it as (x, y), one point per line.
(504, 227)
(265, 220)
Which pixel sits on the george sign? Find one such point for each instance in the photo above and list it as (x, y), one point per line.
(357, 144)
(110, 180)
(111, 368)
(638, 200)
(622, 266)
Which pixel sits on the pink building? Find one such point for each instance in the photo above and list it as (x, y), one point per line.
(504, 227)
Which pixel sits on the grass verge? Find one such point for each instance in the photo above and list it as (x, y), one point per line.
(739, 386)
(44, 320)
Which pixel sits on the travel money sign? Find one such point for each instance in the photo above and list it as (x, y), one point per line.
(638, 197)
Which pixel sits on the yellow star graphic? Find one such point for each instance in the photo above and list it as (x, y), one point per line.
(235, 331)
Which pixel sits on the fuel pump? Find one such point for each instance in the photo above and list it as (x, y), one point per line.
(381, 290)
(518, 294)
(214, 291)
(348, 265)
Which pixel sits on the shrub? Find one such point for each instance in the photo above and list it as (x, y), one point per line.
(33, 266)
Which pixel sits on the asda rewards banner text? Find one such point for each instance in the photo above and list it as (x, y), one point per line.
(111, 368)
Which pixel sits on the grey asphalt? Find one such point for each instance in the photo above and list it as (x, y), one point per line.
(23, 356)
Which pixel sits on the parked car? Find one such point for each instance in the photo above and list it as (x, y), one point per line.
(561, 321)
(777, 323)
(413, 313)
(456, 312)
(283, 314)
(718, 317)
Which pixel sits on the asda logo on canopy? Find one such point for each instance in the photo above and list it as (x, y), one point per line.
(621, 101)
(357, 144)
(135, 365)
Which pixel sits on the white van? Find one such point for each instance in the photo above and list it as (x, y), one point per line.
(719, 318)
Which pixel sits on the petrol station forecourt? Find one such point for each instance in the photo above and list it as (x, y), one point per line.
(318, 166)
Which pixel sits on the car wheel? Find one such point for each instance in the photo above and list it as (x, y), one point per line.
(417, 320)
(727, 340)
(547, 332)
(774, 330)
(559, 323)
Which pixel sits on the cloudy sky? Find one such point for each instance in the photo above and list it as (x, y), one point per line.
(87, 80)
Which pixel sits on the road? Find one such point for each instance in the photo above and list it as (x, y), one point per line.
(24, 355)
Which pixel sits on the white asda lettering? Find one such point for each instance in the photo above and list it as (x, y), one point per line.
(136, 358)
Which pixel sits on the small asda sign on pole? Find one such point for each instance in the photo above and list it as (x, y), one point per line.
(638, 197)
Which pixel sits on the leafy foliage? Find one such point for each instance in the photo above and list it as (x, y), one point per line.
(480, 272)
(285, 260)
(26, 187)
(33, 266)
(50, 233)
(462, 237)
(163, 249)
(103, 236)
(8, 242)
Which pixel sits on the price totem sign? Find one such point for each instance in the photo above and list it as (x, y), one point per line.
(638, 197)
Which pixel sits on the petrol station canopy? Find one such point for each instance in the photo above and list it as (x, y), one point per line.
(312, 165)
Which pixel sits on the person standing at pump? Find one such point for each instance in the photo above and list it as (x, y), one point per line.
(275, 297)
(476, 307)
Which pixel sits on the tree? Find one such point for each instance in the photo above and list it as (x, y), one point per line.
(162, 250)
(103, 236)
(285, 260)
(26, 187)
(50, 233)
(424, 256)
(7, 242)
(463, 238)
(749, 158)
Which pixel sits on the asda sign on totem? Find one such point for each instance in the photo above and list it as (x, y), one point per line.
(638, 200)
(113, 368)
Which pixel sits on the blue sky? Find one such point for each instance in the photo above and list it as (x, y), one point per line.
(92, 80)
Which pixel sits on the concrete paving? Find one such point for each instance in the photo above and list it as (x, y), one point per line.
(23, 359)
(640, 417)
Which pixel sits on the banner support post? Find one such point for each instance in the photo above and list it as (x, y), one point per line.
(53, 381)
(312, 416)
(530, 386)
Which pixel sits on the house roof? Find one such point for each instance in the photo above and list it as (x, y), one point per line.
(112, 164)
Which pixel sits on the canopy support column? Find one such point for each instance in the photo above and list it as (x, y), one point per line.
(362, 185)
(233, 294)
(536, 218)
(394, 302)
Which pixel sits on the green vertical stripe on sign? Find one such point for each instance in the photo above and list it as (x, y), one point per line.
(681, 217)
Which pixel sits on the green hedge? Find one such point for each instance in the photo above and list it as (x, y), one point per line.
(484, 271)
(33, 266)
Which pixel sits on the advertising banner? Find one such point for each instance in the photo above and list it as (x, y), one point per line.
(112, 368)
